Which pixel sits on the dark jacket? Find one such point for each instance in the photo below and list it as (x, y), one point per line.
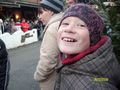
(4, 66)
(96, 70)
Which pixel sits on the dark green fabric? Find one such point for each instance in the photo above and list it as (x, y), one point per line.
(97, 71)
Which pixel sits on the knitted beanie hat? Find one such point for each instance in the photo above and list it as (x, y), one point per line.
(93, 21)
(54, 5)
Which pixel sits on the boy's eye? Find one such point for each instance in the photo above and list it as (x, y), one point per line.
(81, 25)
(64, 23)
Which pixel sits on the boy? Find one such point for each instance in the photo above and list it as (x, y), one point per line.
(90, 63)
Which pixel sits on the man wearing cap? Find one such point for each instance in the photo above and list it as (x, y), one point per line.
(45, 71)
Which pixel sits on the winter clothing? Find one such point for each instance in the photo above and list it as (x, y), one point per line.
(94, 69)
(53, 5)
(38, 26)
(93, 21)
(45, 72)
(7, 27)
(13, 28)
(4, 66)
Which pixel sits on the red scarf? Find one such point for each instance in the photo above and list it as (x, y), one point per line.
(77, 57)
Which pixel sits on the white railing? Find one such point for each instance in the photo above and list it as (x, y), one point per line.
(19, 38)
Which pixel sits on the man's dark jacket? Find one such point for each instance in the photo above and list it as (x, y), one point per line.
(4, 66)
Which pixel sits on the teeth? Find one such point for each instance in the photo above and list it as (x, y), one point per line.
(68, 39)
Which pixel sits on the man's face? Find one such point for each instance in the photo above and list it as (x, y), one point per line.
(44, 15)
(70, 2)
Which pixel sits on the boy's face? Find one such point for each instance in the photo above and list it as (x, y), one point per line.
(44, 15)
(73, 36)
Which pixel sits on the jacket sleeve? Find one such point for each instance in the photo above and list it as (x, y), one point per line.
(3, 66)
(48, 54)
(3, 51)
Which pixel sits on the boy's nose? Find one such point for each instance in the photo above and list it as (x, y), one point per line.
(70, 29)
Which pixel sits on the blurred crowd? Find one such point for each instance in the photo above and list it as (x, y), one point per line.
(10, 26)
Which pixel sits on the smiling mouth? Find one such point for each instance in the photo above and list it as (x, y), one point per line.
(69, 39)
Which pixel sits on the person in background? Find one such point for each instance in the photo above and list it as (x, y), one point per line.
(70, 3)
(18, 24)
(7, 26)
(24, 25)
(90, 63)
(13, 28)
(38, 26)
(4, 66)
(1, 26)
(50, 15)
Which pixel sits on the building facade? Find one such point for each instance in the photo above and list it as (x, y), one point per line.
(18, 9)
